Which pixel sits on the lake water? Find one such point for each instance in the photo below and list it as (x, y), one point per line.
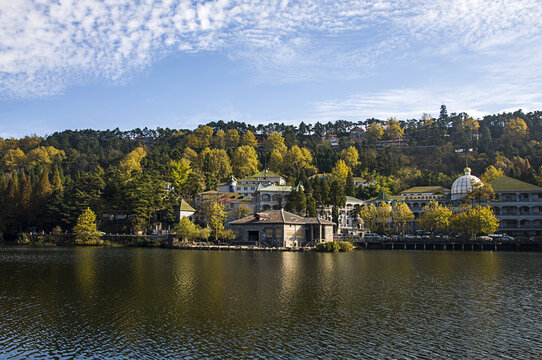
(158, 303)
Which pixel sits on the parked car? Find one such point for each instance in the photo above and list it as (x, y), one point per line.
(410, 236)
(371, 237)
(483, 238)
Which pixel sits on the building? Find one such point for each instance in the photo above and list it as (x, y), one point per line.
(273, 197)
(518, 206)
(349, 222)
(248, 185)
(419, 196)
(185, 210)
(463, 185)
(279, 228)
(332, 138)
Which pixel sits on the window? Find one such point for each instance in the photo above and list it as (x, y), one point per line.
(269, 233)
(278, 233)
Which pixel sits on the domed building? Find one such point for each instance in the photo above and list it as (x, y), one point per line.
(462, 186)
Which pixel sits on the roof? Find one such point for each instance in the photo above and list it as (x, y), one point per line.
(505, 183)
(353, 199)
(278, 188)
(278, 217)
(357, 178)
(186, 206)
(384, 196)
(265, 173)
(425, 189)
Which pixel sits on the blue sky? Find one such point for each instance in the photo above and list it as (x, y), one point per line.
(74, 64)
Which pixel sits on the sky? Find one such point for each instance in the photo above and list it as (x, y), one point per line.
(103, 64)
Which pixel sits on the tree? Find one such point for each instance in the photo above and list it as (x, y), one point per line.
(350, 157)
(187, 230)
(216, 215)
(219, 140)
(275, 161)
(274, 141)
(475, 220)
(401, 215)
(248, 139)
(368, 213)
(297, 160)
(215, 165)
(232, 138)
(491, 174)
(179, 172)
(435, 216)
(132, 161)
(200, 138)
(393, 129)
(340, 172)
(515, 130)
(85, 231)
(244, 161)
(383, 217)
(374, 132)
(13, 159)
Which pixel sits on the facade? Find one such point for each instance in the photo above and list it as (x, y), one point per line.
(419, 196)
(279, 228)
(518, 206)
(349, 222)
(248, 185)
(332, 138)
(185, 210)
(232, 202)
(273, 197)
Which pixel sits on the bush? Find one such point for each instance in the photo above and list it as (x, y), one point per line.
(335, 246)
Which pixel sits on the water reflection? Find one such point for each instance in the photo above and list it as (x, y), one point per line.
(154, 303)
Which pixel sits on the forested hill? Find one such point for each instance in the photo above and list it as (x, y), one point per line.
(50, 181)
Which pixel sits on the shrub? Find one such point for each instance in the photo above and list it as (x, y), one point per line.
(335, 246)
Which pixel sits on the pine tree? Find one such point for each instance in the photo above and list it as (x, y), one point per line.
(85, 231)
(56, 179)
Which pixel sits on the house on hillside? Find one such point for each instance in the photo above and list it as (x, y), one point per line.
(248, 185)
(279, 228)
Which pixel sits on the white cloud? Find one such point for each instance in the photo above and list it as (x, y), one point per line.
(48, 45)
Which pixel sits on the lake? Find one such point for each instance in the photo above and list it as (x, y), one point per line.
(126, 303)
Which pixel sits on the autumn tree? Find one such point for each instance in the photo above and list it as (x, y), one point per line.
(85, 231)
(340, 172)
(216, 215)
(491, 174)
(473, 221)
(132, 161)
(297, 160)
(368, 213)
(244, 161)
(435, 216)
(515, 130)
(274, 141)
(393, 129)
(401, 216)
(374, 133)
(248, 139)
(350, 156)
(200, 138)
(214, 165)
(232, 138)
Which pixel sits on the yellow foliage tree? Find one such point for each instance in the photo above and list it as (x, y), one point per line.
(350, 157)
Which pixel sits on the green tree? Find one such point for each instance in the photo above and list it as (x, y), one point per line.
(435, 216)
(216, 216)
(275, 161)
(186, 230)
(214, 165)
(296, 161)
(85, 231)
(179, 172)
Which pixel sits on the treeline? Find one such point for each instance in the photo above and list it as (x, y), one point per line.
(143, 173)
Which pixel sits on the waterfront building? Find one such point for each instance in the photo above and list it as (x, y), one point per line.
(518, 206)
(279, 228)
(185, 210)
(232, 203)
(349, 222)
(419, 196)
(463, 185)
